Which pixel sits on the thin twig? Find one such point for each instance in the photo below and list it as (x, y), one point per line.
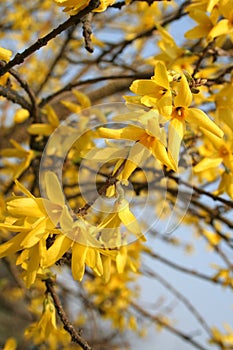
(159, 320)
(185, 269)
(56, 59)
(75, 336)
(73, 20)
(180, 297)
(14, 97)
(200, 190)
(87, 32)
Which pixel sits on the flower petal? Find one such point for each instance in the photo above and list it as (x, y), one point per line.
(184, 96)
(12, 246)
(79, 253)
(160, 76)
(176, 131)
(198, 117)
(207, 163)
(53, 188)
(56, 251)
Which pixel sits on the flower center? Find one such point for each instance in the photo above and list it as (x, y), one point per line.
(178, 112)
(223, 151)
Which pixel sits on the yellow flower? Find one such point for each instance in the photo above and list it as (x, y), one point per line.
(21, 115)
(155, 92)
(46, 326)
(34, 219)
(149, 139)
(224, 102)
(222, 154)
(10, 344)
(75, 6)
(172, 55)
(182, 113)
(225, 25)
(45, 129)
(205, 24)
(225, 185)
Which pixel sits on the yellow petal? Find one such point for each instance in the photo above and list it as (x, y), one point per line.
(106, 268)
(137, 157)
(5, 54)
(21, 115)
(176, 131)
(160, 76)
(82, 98)
(53, 188)
(23, 189)
(184, 96)
(94, 261)
(145, 87)
(79, 253)
(10, 344)
(130, 133)
(56, 251)
(121, 259)
(73, 107)
(12, 246)
(14, 228)
(66, 220)
(107, 153)
(25, 207)
(128, 219)
(198, 117)
(222, 27)
(32, 265)
(216, 141)
(207, 163)
(52, 116)
(40, 129)
(36, 234)
(160, 153)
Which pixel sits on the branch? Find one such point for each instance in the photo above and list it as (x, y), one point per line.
(87, 31)
(159, 320)
(14, 97)
(73, 20)
(75, 336)
(56, 59)
(128, 79)
(180, 297)
(200, 190)
(185, 269)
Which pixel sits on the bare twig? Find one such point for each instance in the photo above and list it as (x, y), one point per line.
(56, 59)
(161, 322)
(75, 336)
(73, 20)
(87, 31)
(180, 297)
(14, 97)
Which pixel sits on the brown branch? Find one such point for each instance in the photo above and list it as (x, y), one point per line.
(186, 270)
(56, 59)
(200, 190)
(121, 46)
(30, 93)
(87, 31)
(14, 97)
(159, 320)
(73, 20)
(128, 79)
(75, 336)
(180, 297)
